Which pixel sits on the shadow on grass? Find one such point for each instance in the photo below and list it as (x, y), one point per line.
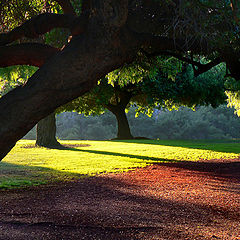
(228, 146)
(225, 146)
(145, 158)
(15, 176)
(225, 169)
(38, 175)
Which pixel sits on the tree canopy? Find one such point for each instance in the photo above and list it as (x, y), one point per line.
(171, 85)
(105, 35)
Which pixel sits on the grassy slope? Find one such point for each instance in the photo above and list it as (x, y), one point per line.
(33, 166)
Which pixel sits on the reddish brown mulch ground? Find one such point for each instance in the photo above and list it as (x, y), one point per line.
(165, 201)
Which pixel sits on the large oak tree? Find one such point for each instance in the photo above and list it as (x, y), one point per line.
(107, 34)
(170, 88)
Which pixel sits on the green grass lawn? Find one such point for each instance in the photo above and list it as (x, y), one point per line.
(26, 165)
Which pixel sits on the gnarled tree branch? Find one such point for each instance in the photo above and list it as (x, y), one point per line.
(201, 68)
(198, 67)
(33, 54)
(36, 26)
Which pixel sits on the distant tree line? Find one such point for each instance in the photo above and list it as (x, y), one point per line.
(203, 123)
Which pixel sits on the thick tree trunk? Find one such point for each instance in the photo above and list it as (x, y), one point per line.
(123, 98)
(124, 131)
(46, 132)
(66, 76)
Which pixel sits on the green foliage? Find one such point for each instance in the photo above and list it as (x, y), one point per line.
(234, 101)
(182, 90)
(14, 13)
(57, 37)
(153, 83)
(204, 123)
(75, 126)
(144, 67)
(12, 77)
(211, 20)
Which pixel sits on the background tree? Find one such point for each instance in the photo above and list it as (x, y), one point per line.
(167, 88)
(46, 132)
(46, 127)
(184, 123)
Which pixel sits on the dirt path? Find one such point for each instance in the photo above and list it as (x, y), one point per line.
(165, 201)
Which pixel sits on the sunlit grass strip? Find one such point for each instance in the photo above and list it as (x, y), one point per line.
(33, 166)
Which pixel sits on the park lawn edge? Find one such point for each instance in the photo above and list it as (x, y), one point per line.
(27, 166)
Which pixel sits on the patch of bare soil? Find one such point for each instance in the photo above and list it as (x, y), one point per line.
(164, 201)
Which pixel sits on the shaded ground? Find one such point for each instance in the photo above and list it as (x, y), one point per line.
(165, 201)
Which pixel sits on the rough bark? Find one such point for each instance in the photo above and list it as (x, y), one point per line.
(34, 54)
(118, 109)
(36, 26)
(123, 131)
(46, 132)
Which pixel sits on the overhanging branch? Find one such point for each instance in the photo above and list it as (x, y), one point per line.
(198, 67)
(33, 54)
(36, 26)
(201, 68)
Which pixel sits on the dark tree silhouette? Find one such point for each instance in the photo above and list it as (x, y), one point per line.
(107, 34)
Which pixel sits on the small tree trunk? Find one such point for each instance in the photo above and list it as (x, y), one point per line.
(124, 131)
(46, 132)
